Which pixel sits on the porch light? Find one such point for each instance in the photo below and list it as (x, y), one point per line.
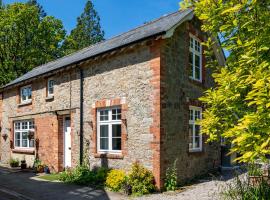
(31, 134)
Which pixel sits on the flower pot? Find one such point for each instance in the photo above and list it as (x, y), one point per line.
(23, 165)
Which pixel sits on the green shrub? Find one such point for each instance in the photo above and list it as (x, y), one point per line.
(82, 175)
(141, 180)
(241, 189)
(14, 162)
(171, 178)
(254, 170)
(115, 180)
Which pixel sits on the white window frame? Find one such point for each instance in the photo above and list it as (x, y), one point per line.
(49, 86)
(193, 122)
(195, 52)
(109, 122)
(27, 100)
(21, 130)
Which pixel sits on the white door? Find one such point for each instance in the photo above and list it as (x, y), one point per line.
(67, 142)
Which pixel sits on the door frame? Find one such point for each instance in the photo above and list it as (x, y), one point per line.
(64, 140)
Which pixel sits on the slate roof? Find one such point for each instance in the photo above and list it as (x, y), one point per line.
(153, 28)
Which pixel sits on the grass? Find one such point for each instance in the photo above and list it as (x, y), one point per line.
(50, 177)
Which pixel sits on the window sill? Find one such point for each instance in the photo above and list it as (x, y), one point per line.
(197, 82)
(49, 98)
(195, 152)
(109, 156)
(25, 104)
(24, 151)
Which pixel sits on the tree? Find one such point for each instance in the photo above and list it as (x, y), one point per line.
(41, 11)
(27, 41)
(238, 107)
(87, 32)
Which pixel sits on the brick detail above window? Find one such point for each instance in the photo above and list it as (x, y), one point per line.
(121, 102)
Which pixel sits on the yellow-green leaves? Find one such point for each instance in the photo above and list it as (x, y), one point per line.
(238, 108)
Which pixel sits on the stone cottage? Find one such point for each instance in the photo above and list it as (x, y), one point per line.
(130, 98)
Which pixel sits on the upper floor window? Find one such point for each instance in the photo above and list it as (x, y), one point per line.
(26, 94)
(195, 137)
(195, 59)
(50, 88)
(109, 130)
(23, 131)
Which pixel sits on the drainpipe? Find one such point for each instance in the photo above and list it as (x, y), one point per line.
(81, 115)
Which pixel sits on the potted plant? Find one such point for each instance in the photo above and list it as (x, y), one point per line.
(40, 168)
(23, 164)
(14, 162)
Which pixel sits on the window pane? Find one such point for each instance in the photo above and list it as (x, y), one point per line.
(17, 143)
(31, 125)
(116, 130)
(104, 144)
(17, 136)
(104, 130)
(24, 139)
(104, 115)
(197, 115)
(190, 132)
(197, 61)
(24, 125)
(197, 73)
(17, 126)
(116, 144)
(197, 142)
(197, 130)
(116, 114)
(31, 143)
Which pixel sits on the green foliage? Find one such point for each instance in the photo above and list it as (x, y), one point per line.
(241, 189)
(87, 32)
(237, 108)
(14, 162)
(254, 170)
(141, 180)
(115, 180)
(26, 40)
(82, 175)
(41, 11)
(171, 178)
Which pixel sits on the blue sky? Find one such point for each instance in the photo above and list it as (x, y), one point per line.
(117, 16)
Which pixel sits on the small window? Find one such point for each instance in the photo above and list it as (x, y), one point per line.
(50, 87)
(22, 134)
(109, 130)
(195, 59)
(195, 137)
(26, 94)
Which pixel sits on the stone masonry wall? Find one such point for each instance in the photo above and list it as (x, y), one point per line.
(44, 112)
(178, 93)
(125, 77)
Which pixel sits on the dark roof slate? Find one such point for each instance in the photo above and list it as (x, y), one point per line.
(153, 28)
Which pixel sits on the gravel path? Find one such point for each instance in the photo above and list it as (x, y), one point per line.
(203, 190)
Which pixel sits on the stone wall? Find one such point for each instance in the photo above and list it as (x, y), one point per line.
(126, 77)
(46, 113)
(178, 93)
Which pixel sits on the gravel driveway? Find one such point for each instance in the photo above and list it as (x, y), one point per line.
(203, 190)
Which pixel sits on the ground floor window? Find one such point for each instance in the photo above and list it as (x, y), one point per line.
(195, 137)
(109, 130)
(23, 131)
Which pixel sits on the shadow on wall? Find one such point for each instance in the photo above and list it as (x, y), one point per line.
(25, 183)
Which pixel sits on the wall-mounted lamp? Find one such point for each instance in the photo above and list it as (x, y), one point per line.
(91, 124)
